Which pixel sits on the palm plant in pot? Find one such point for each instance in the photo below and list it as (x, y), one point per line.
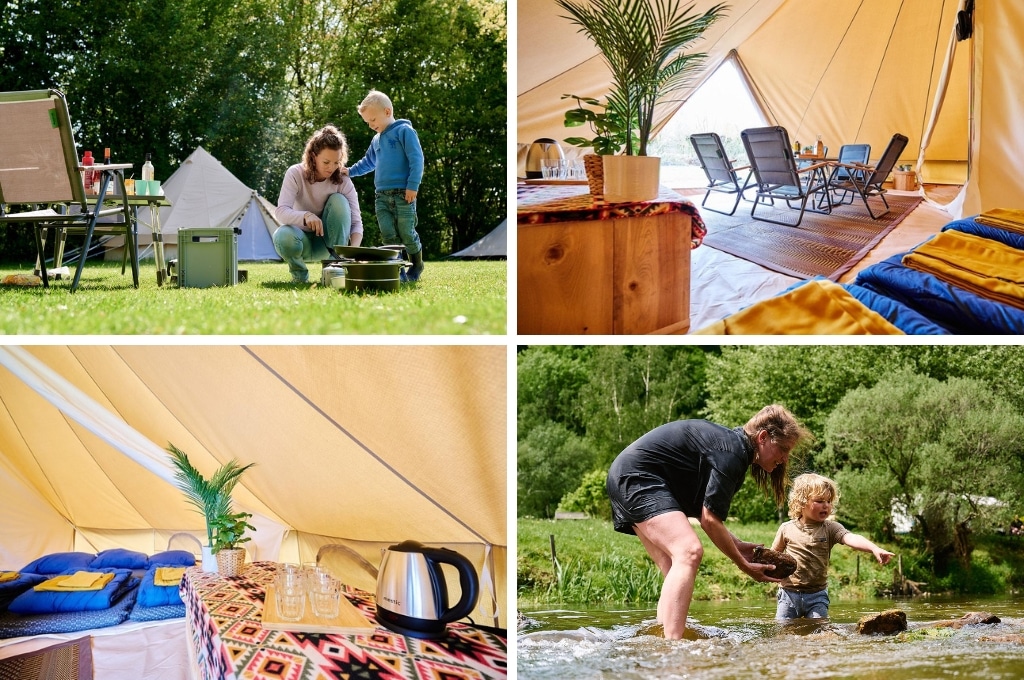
(642, 42)
(212, 499)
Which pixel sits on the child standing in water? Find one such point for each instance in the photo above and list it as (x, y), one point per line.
(809, 538)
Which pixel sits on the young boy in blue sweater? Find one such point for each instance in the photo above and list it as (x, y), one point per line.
(396, 159)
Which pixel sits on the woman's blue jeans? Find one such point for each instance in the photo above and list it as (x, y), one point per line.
(397, 219)
(296, 247)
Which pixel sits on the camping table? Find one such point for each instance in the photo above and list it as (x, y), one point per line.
(226, 640)
(154, 203)
(600, 268)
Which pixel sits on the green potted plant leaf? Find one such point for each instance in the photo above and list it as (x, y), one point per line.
(642, 42)
(228, 535)
(210, 497)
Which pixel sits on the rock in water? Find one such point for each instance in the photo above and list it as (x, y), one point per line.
(784, 564)
(969, 619)
(888, 622)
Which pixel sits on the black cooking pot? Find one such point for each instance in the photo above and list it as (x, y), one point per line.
(372, 276)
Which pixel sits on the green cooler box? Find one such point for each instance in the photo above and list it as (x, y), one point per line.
(207, 256)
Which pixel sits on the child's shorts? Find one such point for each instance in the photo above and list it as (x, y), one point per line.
(794, 605)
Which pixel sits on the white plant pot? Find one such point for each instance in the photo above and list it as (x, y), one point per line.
(209, 559)
(628, 179)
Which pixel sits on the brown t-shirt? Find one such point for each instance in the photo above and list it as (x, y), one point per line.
(810, 544)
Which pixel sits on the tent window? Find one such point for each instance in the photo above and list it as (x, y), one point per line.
(722, 104)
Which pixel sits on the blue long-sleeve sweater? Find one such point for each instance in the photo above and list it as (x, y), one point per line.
(395, 157)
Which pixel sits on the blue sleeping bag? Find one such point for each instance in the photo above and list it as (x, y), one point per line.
(970, 226)
(48, 602)
(152, 595)
(955, 309)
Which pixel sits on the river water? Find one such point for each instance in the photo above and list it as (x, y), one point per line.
(742, 640)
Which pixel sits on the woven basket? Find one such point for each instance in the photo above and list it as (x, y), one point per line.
(594, 165)
(231, 562)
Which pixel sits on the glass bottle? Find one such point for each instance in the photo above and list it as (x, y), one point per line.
(147, 169)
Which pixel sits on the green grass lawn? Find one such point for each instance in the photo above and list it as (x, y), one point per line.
(599, 565)
(461, 298)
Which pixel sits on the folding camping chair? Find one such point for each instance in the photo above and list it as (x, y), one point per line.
(722, 176)
(865, 180)
(40, 174)
(856, 155)
(776, 174)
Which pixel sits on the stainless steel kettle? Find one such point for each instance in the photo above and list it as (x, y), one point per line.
(539, 150)
(412, 596)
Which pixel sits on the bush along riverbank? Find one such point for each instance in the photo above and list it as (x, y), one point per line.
(596, 565)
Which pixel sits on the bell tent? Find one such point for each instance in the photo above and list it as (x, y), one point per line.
(492, 246)
(83, 465)
(943, 72)
(203, 193)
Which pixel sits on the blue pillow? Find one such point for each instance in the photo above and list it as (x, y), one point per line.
(119, 558)
(58, 563)
(173, 558)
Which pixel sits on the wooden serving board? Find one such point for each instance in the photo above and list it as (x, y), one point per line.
(350, 620)
(556, 181)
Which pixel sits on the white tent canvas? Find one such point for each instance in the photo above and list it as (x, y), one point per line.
(853, 71)
(203, 193)
(360, 446)
(493, 245)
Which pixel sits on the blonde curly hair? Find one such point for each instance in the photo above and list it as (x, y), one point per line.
(807, 487)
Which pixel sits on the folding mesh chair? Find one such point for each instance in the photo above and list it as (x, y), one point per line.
(776, 174)
(722, 176)
(866, 181)
(40, 175)
(856, 155)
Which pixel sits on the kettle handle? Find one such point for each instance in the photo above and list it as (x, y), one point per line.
(468, 582)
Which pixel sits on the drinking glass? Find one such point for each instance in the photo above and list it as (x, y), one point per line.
(326, 597)
(291, 601)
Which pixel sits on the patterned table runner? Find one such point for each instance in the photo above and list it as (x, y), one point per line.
(541, 204)
(229, 642)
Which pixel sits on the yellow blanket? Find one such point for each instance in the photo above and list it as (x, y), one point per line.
(168, 576)
(80, 580)
(1005, 218)
(989, 268)
(818, 307)
(6, 576)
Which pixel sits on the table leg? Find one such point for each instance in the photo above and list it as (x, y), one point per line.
(158, 245)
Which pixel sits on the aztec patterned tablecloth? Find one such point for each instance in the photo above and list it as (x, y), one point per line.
(545, 203)
(230, 644)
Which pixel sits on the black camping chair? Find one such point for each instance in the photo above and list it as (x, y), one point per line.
(849, 154)
(865, 180)
(722, 176)
(776, 174)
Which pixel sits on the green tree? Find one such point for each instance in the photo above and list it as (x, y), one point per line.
(633, 389)
(550, 462)
(937, 448)
(548, 382)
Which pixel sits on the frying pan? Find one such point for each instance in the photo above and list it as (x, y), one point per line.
(360, 253)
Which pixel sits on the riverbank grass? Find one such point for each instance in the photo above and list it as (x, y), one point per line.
(452, 298)
(595, 564)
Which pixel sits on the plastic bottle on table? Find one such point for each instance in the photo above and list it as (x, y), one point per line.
(147, 169)
(89, 176)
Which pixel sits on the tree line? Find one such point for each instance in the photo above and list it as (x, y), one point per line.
(250, 80)
(928, 433)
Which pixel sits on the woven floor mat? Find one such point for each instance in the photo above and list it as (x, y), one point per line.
(823, 245)
(66, 661)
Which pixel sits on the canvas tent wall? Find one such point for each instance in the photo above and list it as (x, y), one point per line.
(494, 245)
(203, 193)
(83, 428)
(849, 70)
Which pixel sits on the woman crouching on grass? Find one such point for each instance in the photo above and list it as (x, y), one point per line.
(318, 207)
(693, 468)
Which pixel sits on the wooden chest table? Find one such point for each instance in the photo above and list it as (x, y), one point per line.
(593, 269)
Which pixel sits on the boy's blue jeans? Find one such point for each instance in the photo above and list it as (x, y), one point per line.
(296, 246)
(397, 219)
(794, 605)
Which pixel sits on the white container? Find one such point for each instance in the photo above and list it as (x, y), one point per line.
(332, 276)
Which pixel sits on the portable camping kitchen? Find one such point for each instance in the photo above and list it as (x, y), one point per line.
(853, 71)
(360, 445)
